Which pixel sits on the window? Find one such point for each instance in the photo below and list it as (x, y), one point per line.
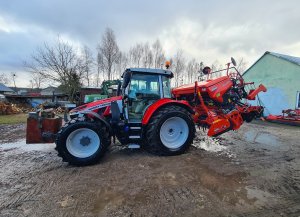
(144, 84)
(144, 90)
(166, 87)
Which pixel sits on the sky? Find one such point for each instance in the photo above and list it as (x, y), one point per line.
(204, 30)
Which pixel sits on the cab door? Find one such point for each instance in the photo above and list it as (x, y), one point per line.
(143, 90)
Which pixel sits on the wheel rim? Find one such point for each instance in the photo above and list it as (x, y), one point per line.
(174, 132)
(83, 143)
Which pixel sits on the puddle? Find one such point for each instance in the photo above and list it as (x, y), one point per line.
(261, 137)
(260, 197)
(250, 136)
(267, 139)
(21, 145)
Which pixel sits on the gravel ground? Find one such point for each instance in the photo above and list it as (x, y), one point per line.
(251, 172)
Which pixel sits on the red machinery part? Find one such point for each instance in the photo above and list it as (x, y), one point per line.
(289, 117)
(218, 127)
(38, 127)
(212, 115)
(253, 93)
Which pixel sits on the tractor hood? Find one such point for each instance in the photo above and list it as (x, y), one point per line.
(94, 106)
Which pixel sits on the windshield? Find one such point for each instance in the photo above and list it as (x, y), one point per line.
(148, 85)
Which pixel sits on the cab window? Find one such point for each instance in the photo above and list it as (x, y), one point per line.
(143, 91)
(166, 87)
(146, 85)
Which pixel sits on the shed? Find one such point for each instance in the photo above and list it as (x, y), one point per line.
(5, 89)
(281, 75)
(49, 91)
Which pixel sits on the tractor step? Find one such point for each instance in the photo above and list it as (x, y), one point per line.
(134, 133)
(134, 146)
(134, 137)
(135, 128)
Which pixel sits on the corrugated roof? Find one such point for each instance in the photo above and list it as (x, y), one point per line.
(292, 59)
(295, 60)
(3, 88)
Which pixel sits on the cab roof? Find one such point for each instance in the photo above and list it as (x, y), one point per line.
(152, 71)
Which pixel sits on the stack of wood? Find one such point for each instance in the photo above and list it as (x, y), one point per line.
(59, 110)
(8, 109)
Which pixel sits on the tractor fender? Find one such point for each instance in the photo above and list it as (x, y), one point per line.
(162, 103)
(98, 117)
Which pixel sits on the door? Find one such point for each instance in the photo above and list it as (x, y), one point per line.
(143, 91)
(298, 100)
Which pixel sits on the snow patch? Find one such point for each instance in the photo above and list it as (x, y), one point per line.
(22, 146)
(209, 144)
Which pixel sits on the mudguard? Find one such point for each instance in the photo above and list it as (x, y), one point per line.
(99, 118)
(164, 102)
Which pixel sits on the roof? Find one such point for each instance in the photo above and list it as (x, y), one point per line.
(3, 88)
(52, 91)
(27, 89)
(149, 70)
(292, 59)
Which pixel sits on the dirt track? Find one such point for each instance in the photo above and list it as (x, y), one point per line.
(257, 173)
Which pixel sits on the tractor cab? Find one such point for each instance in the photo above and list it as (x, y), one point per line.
(141, 88)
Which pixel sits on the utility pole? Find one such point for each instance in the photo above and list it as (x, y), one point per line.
(13, 77)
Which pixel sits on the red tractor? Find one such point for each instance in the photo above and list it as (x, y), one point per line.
(148, 113)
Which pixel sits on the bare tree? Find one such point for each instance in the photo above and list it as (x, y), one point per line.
(30, 85)
(161, 60)
(157, 54)
(100, 68)
(147, 56)
(130, 57)
(4, 79)
(137, 54)
(178, 67)
(241, 65)
(58, 63)
(122, 64)
(109, 50)
(37, 80)
(87, 63)
(191, 70)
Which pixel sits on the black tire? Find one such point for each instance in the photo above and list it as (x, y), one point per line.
(249, 117)
(77, 124)
(154, 143)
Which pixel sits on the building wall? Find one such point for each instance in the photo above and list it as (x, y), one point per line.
(282, 79)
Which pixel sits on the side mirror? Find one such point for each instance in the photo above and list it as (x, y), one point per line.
(233, 61)
(119, 89)
(126, 79)
(206, 70)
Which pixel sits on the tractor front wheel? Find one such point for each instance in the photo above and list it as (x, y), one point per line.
(170, 131)
(82, 142)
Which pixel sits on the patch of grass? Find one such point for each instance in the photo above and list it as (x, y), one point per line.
(13, 119)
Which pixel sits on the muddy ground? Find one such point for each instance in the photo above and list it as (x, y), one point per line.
(252, 172)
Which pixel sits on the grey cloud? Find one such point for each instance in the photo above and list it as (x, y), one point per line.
(264, 24)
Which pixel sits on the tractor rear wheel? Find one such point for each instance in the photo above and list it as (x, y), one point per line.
(82, 142)
(170, 131)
